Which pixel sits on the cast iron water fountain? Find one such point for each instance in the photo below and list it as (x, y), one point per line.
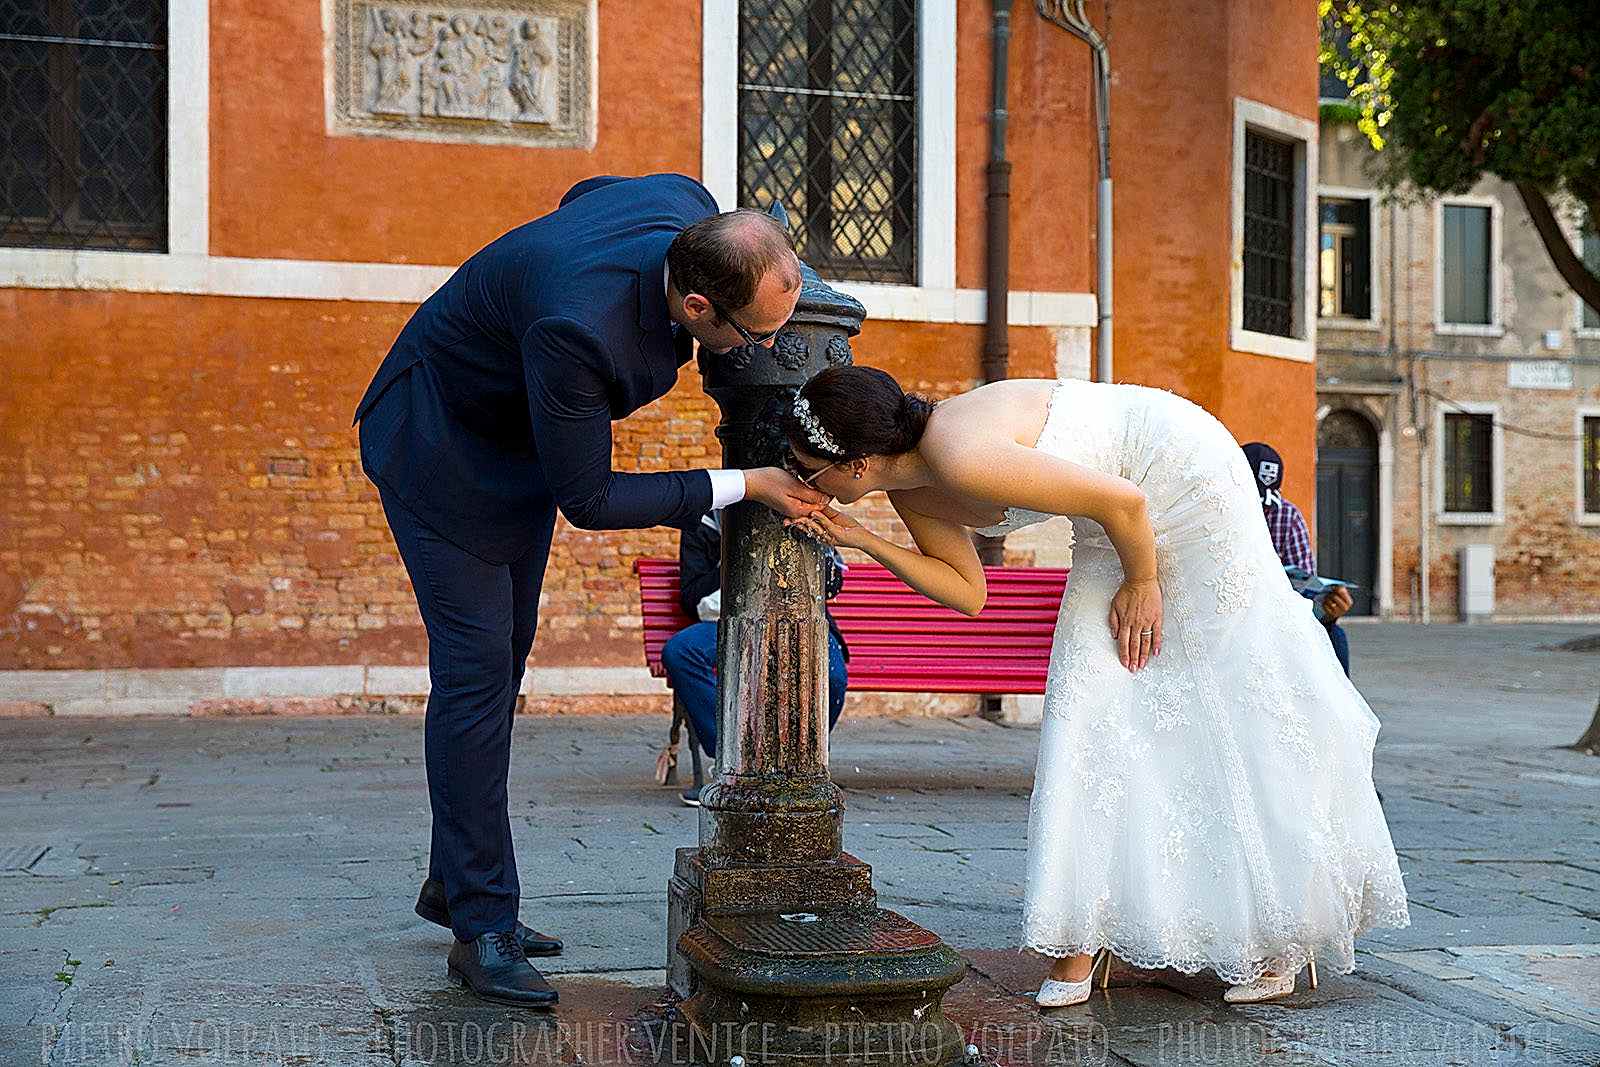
(775, 940)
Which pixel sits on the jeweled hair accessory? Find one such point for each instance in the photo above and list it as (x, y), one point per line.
(819, 438)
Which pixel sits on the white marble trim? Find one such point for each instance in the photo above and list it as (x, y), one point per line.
(1248, 114)
(406, 283)
(170, 691)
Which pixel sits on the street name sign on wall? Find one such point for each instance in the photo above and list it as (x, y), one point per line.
(1539, 374)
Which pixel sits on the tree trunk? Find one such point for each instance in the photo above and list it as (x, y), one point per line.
(1589, 743)
(1587, 286)
(1567, 262)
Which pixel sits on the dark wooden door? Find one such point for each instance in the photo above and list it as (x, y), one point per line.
(1347, 504)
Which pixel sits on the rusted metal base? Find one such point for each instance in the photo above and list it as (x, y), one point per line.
(852, 986)
(696, 890)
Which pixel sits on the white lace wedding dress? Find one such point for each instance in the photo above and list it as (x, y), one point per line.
(1215, 810)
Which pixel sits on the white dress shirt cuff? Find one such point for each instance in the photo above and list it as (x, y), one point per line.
(727, 487)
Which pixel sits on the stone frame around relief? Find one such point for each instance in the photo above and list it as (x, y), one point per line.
(463, 73)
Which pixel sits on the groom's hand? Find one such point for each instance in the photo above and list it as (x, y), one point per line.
(782, 492)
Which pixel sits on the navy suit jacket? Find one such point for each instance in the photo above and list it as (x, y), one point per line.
(494, 405)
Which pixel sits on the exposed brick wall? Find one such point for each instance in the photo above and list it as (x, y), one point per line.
(183, 488)
(1543, 556)
(1544, 560)
(183, 485)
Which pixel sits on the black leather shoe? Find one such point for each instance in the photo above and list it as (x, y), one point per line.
(495, 967)
(431, 906)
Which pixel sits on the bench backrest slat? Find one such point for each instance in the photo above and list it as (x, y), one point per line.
(902, 642)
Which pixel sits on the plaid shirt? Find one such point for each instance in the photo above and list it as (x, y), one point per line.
(1290, 538)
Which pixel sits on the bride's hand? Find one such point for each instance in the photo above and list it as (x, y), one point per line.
(1136, 622)
(832, 527)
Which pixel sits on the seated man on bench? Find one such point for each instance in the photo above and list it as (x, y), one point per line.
(690, 655)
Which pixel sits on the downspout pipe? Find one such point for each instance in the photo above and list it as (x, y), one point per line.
(1070, 16)
(996, 340)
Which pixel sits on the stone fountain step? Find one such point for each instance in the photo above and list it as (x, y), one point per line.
(851, 986)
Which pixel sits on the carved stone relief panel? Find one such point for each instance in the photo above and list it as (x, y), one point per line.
(497, 71)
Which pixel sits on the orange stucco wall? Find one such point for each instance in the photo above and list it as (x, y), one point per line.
(281, 187)
(1178, 67)
(1265, 398)
(183, 486)
(1049, 141)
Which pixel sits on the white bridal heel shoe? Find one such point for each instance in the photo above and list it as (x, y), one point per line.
(1054, 994)
(1267, 987)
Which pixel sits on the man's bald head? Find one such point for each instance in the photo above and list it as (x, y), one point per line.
(724, 257)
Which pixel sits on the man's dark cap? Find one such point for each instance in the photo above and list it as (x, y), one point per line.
(1266, 467)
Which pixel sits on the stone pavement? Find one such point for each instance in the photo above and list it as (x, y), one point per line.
(183, 891)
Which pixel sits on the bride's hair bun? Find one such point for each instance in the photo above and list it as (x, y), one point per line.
(913, 418)
(856, 411)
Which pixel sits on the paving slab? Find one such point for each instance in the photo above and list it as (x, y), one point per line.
(239, 890)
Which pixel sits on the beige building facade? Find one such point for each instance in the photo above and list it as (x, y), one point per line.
(1458, 385)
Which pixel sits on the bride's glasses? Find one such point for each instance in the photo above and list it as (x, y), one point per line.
(814, 475)
(807, 477)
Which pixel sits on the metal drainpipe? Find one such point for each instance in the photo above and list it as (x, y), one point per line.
(1071, 18)
(996, 342)
(1420, 418)
(1394, 408)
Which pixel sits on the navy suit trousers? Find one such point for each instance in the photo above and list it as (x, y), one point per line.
(480, 619)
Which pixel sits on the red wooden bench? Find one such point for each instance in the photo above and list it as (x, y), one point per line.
(900, 642)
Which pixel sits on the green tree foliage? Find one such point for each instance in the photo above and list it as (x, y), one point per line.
(1451, 90)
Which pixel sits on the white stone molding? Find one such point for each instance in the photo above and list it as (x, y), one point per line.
(1302, 346)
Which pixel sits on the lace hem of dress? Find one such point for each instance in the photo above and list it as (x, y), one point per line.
(1383, 905)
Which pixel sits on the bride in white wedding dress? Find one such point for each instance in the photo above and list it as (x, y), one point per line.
(1203, 797)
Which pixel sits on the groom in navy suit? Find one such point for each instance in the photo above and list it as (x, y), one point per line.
(492, 410)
